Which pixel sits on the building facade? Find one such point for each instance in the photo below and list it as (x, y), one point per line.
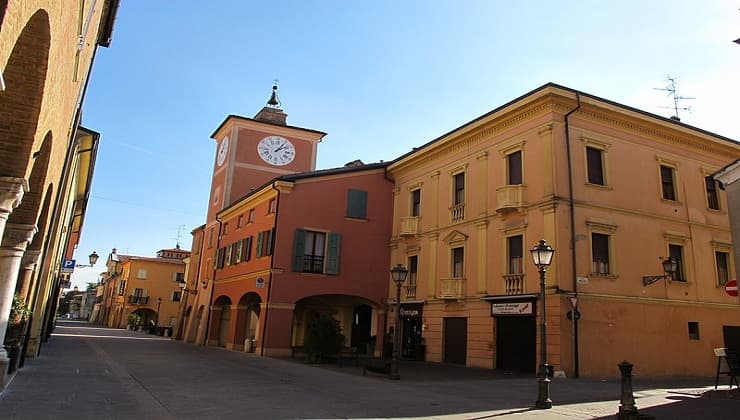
(46, 53)
(614, 190)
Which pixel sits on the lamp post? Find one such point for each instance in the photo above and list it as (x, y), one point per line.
(159, 302)
(398, 274)
(92, 259)
(542, 255)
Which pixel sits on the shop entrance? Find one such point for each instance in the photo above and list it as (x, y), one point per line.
(456, 340)
(516, 341)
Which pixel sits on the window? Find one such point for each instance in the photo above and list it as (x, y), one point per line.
(357, 204)
(458, 261)
(316, 252)
(599, 253)
(240, 221)
(264, 243)
(238, 251)
(676, 252)
(226, 228)
(459, 193)
(176, 296)
(141, 274)
(415, 202)
(693, 330)
(272, 206)
(210, 238)
(723, 272)
(712, 193)
(250, 216)
(247, 248)
(139, 292)
(122, 288)
(515, 251)
(514, 168)
(413, 269)
(595, 165)
(668, 182)
(180, 277)
(220, 257)
(227, 254)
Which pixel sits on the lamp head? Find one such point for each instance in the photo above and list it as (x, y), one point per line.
(670, 266)
(398, 274)
(93, 258)
(542, 254)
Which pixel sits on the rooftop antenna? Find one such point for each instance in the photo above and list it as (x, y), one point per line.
(180, 228)
(671, 89)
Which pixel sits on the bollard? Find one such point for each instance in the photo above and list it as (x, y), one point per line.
(627, 407)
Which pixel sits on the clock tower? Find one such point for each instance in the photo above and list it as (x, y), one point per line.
(252, 151)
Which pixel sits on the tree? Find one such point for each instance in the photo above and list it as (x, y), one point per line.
(324, 337)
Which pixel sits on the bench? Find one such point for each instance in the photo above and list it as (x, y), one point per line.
(377, 366)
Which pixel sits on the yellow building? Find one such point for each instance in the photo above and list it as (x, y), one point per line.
(47, 48)
(143, 291)
(614, 190)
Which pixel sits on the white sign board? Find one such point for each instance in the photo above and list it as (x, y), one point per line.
(519, 308)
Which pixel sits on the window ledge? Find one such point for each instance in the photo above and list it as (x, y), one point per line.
(608, 276)
(671, 202)
(599, 186)
(356, 219)
(308, 274)
(715, 211)
(678, 282)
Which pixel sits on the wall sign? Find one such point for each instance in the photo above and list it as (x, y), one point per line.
(259, 283)
(518, 308)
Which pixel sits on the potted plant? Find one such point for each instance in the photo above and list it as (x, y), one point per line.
(17, 321)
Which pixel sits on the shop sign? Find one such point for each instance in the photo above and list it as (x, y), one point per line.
(518, 308)
(409, 312)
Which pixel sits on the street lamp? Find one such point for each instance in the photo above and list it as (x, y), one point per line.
(542, 255)
(159, 302)
(398, 274)
(670, 267)
(92, 258)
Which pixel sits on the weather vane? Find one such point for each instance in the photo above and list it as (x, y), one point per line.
(671, 89)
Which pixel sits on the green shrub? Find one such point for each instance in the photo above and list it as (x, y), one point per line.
(324, 337)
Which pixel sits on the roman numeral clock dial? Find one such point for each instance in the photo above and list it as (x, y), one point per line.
(276, 150)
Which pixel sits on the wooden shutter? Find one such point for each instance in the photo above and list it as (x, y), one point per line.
(332, 254)
(260, 240)
(299, 245)
(270, 241)
(357, 204)
(247, 250)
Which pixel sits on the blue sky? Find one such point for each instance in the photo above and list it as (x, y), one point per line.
(379, 77)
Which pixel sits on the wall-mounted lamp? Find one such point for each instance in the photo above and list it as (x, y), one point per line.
(670, 267)
(92, 258)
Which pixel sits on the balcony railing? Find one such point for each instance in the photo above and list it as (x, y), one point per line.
(313, 263)
(138, 300)
(457, 213)
(452, 288)
(410, 291)
(409, 226)
(510, 197)
(514, 284)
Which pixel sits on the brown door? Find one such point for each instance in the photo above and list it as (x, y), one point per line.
(456, 340)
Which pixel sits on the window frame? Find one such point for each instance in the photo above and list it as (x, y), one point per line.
(712, 193)
(458, 193)
(675, 181)
(681, 274)
(415, 199)
(510, 267)
(608, 229)
(413, 264)
(454, 253)
(724, 247)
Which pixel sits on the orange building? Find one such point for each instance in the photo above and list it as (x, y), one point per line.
(614, 190)
(142, 291)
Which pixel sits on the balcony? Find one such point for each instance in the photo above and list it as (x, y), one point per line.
(452, 288)
(138, 300)
(457, 213)
(514, 284)
(409, 226)
(510, 197)
(410, 291)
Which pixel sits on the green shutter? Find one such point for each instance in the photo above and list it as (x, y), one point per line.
(357, 204)
(299, 245)
(270, 242)
(248, 251)
(260, 240)
(332, 254)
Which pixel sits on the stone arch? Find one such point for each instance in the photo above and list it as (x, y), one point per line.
(25, 77)
(221, 320)
(27, 212)
(247, 320)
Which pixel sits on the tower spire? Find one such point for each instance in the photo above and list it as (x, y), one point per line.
(274, 101)
(271, 113)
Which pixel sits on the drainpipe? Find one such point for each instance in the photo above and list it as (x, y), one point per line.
(572, 233)
(272, 265)
(213, 284)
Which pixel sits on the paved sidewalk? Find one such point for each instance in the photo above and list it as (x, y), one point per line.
(89, 372)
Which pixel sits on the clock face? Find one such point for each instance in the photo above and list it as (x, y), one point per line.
(223, 150)
(276, 150)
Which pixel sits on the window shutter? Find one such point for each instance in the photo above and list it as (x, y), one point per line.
(299, 245)
(357, 204)
(332, 251)
(247, 249)
(260, 240)
(270, 242)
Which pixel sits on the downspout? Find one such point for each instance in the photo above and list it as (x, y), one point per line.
(272, 265)
(213, 284)
(572, 209)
